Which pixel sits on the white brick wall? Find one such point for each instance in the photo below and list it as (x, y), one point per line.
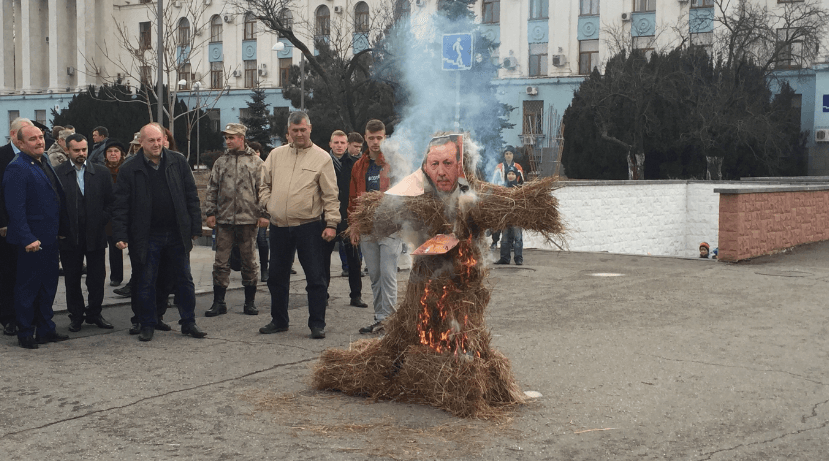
(667, 218)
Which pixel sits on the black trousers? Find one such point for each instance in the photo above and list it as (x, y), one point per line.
(116, 261)
(355, 282)
(8, 277)
(72, 260)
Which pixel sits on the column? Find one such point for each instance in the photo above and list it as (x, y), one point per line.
(54, 40)
(26, 44)
(80, 43)
(6, 46)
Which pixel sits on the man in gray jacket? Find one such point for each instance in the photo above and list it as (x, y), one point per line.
(233, 208)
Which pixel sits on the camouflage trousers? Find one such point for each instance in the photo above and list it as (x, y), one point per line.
(245, 237)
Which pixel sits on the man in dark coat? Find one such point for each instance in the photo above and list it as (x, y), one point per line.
(88, 189)
(8, 253)
(34, 201)
(157, 214)
(343, 163)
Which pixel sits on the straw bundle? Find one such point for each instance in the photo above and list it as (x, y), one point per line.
(436, 349)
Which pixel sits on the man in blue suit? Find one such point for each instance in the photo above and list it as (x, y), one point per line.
(34, 201)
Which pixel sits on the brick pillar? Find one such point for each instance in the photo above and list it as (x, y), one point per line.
(729, 227)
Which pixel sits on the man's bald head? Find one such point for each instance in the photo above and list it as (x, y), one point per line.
(152, 141)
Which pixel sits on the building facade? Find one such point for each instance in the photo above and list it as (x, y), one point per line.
(545, 49)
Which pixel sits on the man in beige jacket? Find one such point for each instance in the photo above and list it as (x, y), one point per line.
(300, 192)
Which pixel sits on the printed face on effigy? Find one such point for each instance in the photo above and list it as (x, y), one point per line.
(442, 166)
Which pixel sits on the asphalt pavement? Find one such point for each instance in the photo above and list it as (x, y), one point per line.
(635, 357)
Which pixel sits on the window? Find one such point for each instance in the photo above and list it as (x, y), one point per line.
(704, 40)
(13, 114)
(215, 117)
(538, 60)
(287, 19)
(644, 5)
(588, 56)
(492, 11)
(146, 74)
(40, 116)
(183, 73)
(533, 120)
(216, 29)
(791, 49)
(322, 30)
(589, 8)
(702, 3)
(244, 114)
(284, 71)
(402, 9)
(361, 20)
(183, 32)
(250, 27)
(144, 36)
(539, 9)
(250, 74)
(645, 44)
(217, 75)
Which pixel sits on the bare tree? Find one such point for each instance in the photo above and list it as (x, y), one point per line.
(186, 30)
(343, 42)
(785, 36)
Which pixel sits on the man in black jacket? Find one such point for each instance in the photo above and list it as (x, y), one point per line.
(8, 253)
(343, 163)
(88, 189)
(157, 214)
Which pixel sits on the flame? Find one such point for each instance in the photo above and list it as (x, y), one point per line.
(438, 327)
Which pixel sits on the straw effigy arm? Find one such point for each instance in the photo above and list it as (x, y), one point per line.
(530, 207)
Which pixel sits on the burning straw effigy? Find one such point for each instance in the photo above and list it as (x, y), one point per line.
(436, 349)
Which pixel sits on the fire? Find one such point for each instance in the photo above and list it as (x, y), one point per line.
(438, 326)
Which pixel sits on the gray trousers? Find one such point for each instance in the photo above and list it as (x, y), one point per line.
(381, 260)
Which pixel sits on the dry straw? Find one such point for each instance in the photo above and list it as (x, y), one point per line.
(436, 349)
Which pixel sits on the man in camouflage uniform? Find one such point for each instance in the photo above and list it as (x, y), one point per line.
(232, 207)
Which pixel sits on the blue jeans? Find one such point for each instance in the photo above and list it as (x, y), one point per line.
(169, 247)
(306, 241)
(512, 240)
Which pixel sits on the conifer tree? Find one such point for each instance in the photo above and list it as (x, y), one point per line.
(257, 120)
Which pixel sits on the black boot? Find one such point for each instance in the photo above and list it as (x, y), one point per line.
(219, 307)
(250, 295)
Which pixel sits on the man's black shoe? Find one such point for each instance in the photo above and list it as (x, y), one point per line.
(344, 273)
(293, 272)
(264, 277)
(161, 326)
(519, 263)
(317, 333)
(100, 322)
(218, 308)
(501, 261)
(75, 325)
(10, 329)
(115, 283)
(193, 330)
(250, 308)
(125, 291)
(357, 302)
(27, 343)
(83, 269)
(135, 329)
(60, 271)
(53, 337)
(146, 334)
(272, 328)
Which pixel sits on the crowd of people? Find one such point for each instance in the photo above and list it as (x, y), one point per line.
(63, 209)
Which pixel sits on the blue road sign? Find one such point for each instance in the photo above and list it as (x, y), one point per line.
(457, 52)
(826, 102)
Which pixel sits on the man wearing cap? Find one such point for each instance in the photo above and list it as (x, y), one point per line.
(233, 208)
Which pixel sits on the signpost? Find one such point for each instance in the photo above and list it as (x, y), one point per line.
(457, 56)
